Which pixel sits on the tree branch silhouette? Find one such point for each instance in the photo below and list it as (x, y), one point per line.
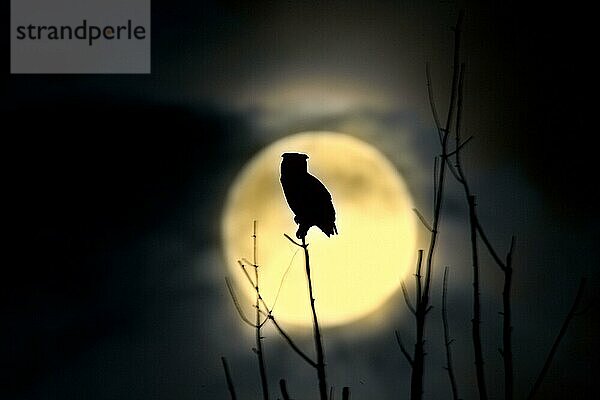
(476, 320)
(561, 333)
(320, 365)
(447, 340)
(259, 324)
(423, 286)
(476, 230)
(230, 385)
(283, 388)
(262, 309)
(259, 313)
(291, 343)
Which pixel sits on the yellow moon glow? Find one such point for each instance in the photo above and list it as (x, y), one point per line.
(354, 272)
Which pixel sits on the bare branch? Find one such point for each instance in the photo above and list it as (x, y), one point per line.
(476, 321)
(293, 345)
(293, 241)
(457, 129)
(418, 277)
(230, 385)
(507, 355)
(403, 348)
(258, 335)
(436, 167)
(245, 260)
(283, 388)
(252, 283)
(452, 169)
(316, 331)
(422, 306)
(237, 304)
(422, 219)
(447, 340)
(434, 113)
(489, 246)
(460, 146)
(561, 334)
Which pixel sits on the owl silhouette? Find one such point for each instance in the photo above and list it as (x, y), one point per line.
(307, 197)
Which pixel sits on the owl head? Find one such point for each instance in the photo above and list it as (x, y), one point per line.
(294, 161)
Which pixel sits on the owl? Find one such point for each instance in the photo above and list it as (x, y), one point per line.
(307, 197)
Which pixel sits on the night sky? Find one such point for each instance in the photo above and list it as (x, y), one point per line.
(113, 287)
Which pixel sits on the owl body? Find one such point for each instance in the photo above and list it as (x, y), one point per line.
(307, 197)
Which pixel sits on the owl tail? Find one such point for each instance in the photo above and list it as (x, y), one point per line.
(329, 229)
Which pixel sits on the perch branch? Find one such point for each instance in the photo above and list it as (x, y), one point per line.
(316, 331)
(303, 245)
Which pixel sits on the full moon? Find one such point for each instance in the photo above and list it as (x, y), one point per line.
(353, 273)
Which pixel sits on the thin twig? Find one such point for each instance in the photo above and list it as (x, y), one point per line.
(230, 385)
(243, 267)
(237, 304)
(416, 391)
(476, 321)
(507, 355)
(434, 113)
(403, 348)
(452, 169)
(259, 348)
(292, 344)
(561, 334)
(293, 241)
(283, 388)
(473, 224)
(489, 246)
(457, 129)
(422, 219)
(418, 278)
(447, 340)
(459, 146)
(435, 177)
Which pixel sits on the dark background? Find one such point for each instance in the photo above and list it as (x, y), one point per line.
(116, 183)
